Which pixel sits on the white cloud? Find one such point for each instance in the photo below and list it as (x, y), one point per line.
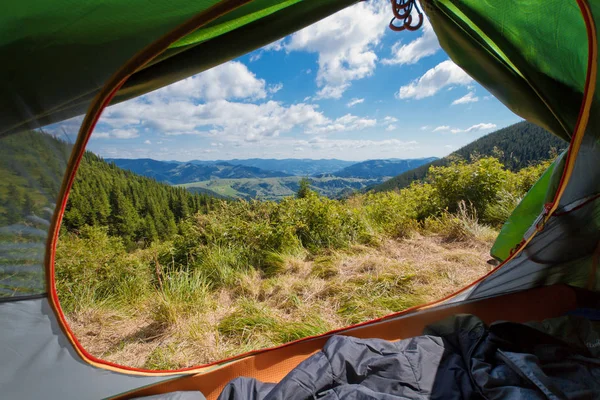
(332, 92)
(346, 123)
(116, 133)
(390, 127)
(229, 120)
(468, 98)
(275, 88)
(147, 142)
(474, 128)
(390, 119)
(424, 127)
(354, 102)
(425, 45)
(322, 143)
(441, 128)
(444, 74)
(275, 46)
(255, 57)
(480, 127)
(231, 80)
(345, 45)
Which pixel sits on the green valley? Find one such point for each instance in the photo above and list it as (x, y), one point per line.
(279, 188)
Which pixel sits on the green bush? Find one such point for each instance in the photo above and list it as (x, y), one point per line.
(477, 183)
(93, 267)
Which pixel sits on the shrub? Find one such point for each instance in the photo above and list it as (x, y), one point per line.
(477, 183)
(461, 226)
(397, 213)
(497, 213)
(93, 267)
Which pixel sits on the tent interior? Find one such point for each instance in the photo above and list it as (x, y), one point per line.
(65, 59)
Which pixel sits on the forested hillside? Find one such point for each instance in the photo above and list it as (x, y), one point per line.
(516, 146)
(31, 167)
(133, 207)
(381, 168)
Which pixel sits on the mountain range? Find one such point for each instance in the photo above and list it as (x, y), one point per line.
(373, 169)
(176, 172)
(246, 176)
(290, 166)
(516, 146)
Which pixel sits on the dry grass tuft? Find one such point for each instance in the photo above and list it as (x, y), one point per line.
(299, 297)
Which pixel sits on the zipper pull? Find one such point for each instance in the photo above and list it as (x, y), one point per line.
(403, 11)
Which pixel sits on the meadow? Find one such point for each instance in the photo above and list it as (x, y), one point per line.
(252, 274)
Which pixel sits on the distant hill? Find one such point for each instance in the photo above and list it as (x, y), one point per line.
(371, 169)
(278, 188)
(522, 144)
(289, 166)
(177, 173)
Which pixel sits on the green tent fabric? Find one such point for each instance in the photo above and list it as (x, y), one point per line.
(536, 64)
(531, 54)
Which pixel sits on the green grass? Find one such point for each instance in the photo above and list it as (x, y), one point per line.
(324, 267)
(370, 296)
(251, 319)
(252, 274)
(161, 358)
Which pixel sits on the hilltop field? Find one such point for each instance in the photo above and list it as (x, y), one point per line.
(233, 276)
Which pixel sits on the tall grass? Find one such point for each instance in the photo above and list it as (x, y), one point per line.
(251, 274)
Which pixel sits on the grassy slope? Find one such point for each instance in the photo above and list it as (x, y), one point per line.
(522, 144)
(311, 296)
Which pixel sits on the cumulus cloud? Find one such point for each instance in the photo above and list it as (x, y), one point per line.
(441, 128)
(275, 46)
(275, 88)
(246, 121)
(116, 133)
(390, 127)
(444, 74)
(425, 45)
(345, 45)
(324, 143)
(468, 98)
(232, 80)
(346, 123)
(354, 102)
(474, 128)
(147, 142)
(390, 119)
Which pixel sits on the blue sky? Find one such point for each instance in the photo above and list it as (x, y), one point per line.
(347, 87)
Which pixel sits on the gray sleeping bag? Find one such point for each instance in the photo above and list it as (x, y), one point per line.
(457, 358)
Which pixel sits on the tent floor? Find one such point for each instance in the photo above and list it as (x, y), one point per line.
(273, 365)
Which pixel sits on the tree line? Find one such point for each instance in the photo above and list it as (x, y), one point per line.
(135, 208)
(516, 146)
